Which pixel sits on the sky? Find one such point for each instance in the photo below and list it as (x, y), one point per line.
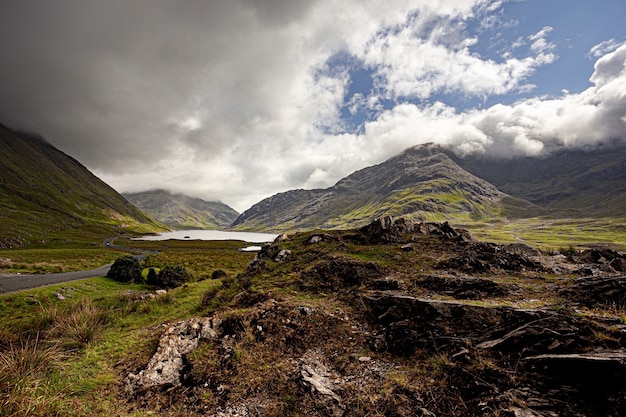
(237, 100)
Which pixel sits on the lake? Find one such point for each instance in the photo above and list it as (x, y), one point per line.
(250, 237)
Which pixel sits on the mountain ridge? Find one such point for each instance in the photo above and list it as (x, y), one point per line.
(46, 195)
(182, 212)
(420, 182)
(589, 181)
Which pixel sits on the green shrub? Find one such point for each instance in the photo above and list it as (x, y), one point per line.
(218, 274)
(152, 277)
(126, 269)
(173, 276)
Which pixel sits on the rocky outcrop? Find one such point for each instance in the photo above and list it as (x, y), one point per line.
(317, 377)
(330, 324)
(167, 363)
(598, 291)
(387, 229)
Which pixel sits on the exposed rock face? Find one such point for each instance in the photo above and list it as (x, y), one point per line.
(598, 291)
(317, 377)
(386, 229)
(166, 365)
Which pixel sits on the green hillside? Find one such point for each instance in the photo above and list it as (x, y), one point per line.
(183, 212)
(421, 183)
(47, 196)
(589, 182)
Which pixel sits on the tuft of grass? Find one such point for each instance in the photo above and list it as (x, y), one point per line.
(26, 369)
(79, 326)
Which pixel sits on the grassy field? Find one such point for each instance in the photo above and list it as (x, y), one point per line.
(38, 261)
(553, 234)
(67, 357)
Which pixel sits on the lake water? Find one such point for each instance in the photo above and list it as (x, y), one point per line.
(213, 235)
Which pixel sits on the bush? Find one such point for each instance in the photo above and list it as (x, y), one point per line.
(152, 278)
(218, 274)
(173, 276)
(126, 269)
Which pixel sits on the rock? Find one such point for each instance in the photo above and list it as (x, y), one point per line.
(59, 296)
(387, 230)
(160, 292)
(316, 376)
(338, 272)
(315, 239)
(283, 255)
(167, 363)
(384, 284)
(407, 248)
(464, 287)
(594, 370)
(600, 291)
(521, 249)
(480, 257)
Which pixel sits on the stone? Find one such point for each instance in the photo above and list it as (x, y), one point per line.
(316, 376)
(167, 363)
(283, 255)
(59, 296)
(315, 239)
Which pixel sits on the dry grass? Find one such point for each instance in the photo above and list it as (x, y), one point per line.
(25, 372)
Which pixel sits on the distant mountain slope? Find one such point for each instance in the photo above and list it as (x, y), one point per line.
(421, 182)
(590, 182)
(181, 211)
(46, 195)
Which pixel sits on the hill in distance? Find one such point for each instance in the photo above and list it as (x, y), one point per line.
(183, 212)
(589, 182)
(422, 182)
(47, 196)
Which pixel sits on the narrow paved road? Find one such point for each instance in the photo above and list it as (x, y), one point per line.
(14, 282)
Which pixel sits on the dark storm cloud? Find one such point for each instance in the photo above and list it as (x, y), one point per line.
(233, 99)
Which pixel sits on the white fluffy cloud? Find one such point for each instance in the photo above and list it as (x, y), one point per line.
(529, 127)
(233, 99)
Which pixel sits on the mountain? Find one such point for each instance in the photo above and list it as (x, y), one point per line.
(183, 212)
(589, 182)
(46, 195)
(422, 182)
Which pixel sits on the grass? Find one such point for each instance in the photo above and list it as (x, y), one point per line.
(63, 357)
(40, 261)
(553, 234)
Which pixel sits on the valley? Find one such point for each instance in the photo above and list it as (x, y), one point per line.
(412, 287)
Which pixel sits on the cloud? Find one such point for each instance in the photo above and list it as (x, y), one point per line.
(603, 48)
(529, 127)
(234, 100)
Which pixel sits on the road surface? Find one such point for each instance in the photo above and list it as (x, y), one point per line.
(14, 282)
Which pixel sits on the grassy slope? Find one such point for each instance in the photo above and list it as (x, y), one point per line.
(47, 196)
(183, 212)
(74, 352)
